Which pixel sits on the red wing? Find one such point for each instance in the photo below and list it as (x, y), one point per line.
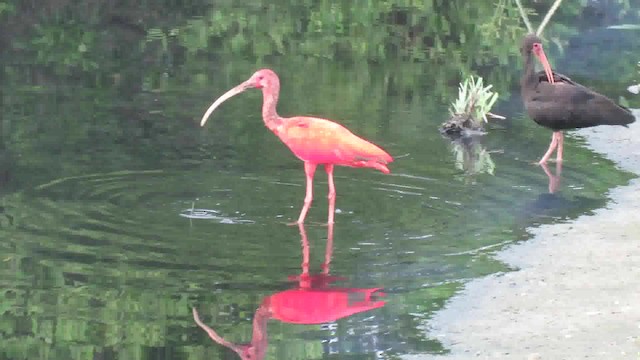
(324, 142)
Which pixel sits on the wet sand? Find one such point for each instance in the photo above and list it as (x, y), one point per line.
(576, 294)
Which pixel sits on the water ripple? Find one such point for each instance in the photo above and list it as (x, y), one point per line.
(208, 214)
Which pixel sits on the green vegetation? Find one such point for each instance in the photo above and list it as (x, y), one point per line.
(470, 109)
(475, 100)
(472, 157)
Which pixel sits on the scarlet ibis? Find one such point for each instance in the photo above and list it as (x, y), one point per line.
(313, 140)
(555, 101)
(313, 301)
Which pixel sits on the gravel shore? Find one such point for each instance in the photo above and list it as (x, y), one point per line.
(576, 294)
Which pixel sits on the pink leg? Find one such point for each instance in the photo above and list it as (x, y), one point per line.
(552, 146)
(332, 193)
(328, 252)
(560, 145)
(305, 250)
(309, 170)
(554, 180)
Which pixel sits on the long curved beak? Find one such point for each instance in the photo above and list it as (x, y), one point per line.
(545, 64)
(214, 336)
(231, 93)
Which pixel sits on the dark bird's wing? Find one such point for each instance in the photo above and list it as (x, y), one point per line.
(568, 105)
(557, 77)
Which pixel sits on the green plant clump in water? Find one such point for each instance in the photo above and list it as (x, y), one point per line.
(474, 99)
(471, 107)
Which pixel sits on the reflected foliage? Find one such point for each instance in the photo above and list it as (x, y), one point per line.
(471, 157)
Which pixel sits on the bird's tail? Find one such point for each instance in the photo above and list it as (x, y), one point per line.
(628, 118)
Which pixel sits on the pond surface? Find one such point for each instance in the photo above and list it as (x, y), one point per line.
(102, 158)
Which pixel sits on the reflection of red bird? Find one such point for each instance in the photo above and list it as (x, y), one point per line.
(556, 102)
(314, 141)
(312, 302)
(319, 306)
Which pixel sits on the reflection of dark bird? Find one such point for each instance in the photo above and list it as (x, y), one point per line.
(556, 102)
(554, 179)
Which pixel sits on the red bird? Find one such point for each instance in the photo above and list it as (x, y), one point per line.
(559, 103)
(313, 140)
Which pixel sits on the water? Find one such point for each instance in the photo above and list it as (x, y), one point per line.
(102, 157)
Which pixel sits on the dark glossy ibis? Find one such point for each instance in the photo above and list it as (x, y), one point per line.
(556, 102)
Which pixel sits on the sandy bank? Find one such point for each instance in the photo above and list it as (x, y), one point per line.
(577, 293)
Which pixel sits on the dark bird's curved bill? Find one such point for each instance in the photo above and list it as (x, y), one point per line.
(542, 57)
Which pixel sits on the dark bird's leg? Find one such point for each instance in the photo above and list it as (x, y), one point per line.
(332, 193)
(554, 180)
(555, 138)
(560, 146)
(309, 170)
